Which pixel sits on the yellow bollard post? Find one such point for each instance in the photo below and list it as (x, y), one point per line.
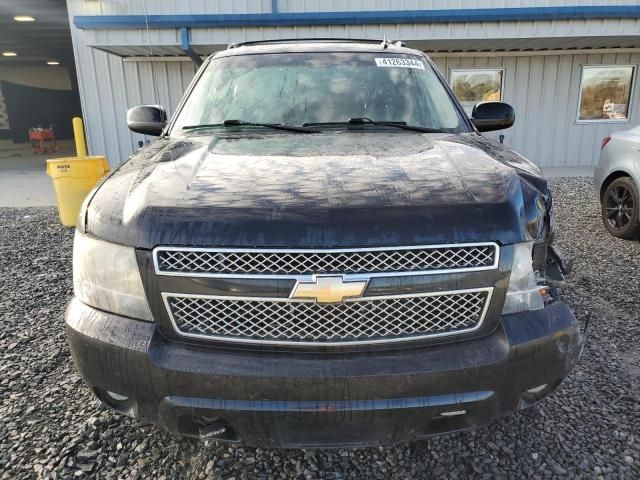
(78, 135)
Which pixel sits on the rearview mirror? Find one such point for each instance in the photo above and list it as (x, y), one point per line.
(488, 116)
(147, 119)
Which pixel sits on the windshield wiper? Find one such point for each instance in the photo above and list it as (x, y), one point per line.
(240, 123)
(368, 121)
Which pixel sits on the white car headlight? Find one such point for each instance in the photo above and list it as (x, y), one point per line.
(106, 276)
(524, 293)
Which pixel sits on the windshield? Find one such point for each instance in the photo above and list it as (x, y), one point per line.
(318, 88)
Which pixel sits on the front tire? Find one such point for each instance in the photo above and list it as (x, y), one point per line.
(621, 209)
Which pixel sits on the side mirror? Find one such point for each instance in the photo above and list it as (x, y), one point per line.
(488, 116)
(147, 119)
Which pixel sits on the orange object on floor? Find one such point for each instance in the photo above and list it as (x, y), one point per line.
(43, 140)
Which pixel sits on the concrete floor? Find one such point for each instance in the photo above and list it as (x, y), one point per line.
(23, 179)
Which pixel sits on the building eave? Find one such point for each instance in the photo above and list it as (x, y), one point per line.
(383, 17)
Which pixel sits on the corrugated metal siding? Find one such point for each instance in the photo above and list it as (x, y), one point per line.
(438, 36)
(359, 5)
(109, 86)
(495, 33)
(544, 91)
(164, 7)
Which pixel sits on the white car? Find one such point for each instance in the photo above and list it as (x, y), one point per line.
(617, 178)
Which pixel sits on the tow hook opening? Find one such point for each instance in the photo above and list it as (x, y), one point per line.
(535, 394)
(446, 421)
(118, 402)
(207, 427)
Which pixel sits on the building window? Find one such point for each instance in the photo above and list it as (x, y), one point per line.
(605, 92)
(473, 86)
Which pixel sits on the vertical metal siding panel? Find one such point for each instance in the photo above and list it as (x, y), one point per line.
(441, 64)
(454, 64)
(263, 6)
(520, 100)
(510, 65)
(481, 62)
(86, 74)
(105, 109)
(145, 80)
(174, 84)
(115, 78)
(170, 85)
(91, 109)
(162, 85)
(544, 91)
(535, 94)
(634, 59)
(466, 62)
(565, 109)
(571, 143)
(548, 105)
(188, 71)
(340, 5)
(498, 62)
(134, 94)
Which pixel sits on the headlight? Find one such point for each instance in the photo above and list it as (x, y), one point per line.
(523, 293)
(106, 276)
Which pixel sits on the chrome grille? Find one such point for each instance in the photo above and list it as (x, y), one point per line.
(282, 321)
(181, 261)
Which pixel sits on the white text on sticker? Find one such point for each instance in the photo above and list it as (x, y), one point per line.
(399, 62)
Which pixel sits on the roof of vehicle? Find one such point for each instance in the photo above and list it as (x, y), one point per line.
(317, 45)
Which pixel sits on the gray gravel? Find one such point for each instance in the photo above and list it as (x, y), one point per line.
(52, 427)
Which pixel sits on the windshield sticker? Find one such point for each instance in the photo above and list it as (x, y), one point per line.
(399, 62)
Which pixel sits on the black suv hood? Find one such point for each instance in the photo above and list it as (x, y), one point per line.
(320, 190)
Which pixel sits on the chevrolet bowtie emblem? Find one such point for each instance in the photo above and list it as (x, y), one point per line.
(328, 289)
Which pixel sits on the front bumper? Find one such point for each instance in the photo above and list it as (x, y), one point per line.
(302, 399)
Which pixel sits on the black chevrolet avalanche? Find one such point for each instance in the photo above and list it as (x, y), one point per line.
(320, 249)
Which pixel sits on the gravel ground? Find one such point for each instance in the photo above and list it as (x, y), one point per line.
(52, 427)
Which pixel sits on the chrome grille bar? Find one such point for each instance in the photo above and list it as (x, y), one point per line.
(285, 263)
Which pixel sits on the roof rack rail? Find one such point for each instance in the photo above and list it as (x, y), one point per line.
(319, 39)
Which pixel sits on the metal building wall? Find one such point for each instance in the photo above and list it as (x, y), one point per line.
(110, 85)
(164, 7)
(544, 91)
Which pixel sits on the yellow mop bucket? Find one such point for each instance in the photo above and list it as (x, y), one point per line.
(73, 178)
